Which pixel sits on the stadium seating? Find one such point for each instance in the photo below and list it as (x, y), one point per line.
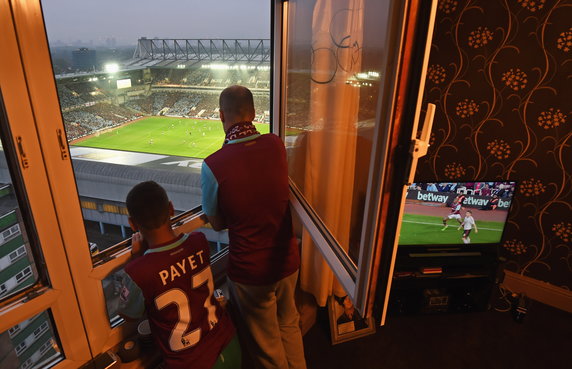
(68, 98)
(89, 107)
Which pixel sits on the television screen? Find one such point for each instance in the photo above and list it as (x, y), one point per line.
(453, 213)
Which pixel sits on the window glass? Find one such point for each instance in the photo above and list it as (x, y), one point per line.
(139, 98)
(31, 343)
(17, 265)
(333, 84)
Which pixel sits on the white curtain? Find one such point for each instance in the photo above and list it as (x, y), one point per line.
(337, 28)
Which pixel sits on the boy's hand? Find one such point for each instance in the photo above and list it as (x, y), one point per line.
(476, 230)
(138, 244)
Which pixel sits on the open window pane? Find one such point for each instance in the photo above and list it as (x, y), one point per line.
(352, 83)
(139, 108)
(335, 54)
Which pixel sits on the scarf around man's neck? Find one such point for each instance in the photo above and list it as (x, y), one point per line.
(240, 130)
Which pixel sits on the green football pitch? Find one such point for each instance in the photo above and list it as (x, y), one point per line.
(193, 138)
(425, 229)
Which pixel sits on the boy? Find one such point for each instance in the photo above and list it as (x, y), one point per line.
(467, 224)
(172, 282)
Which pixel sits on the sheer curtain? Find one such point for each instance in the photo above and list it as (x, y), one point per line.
(330, 160)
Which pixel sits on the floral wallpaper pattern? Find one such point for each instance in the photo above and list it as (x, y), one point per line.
(500, 73)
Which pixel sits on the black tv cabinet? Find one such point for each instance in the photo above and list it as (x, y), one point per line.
(438, 279)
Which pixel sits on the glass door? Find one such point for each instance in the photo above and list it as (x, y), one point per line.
(351, 83)
(40, 321)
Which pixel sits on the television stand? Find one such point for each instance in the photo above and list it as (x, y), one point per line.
(443, 280)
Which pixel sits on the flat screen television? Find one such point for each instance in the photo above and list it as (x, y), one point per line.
(456, 213)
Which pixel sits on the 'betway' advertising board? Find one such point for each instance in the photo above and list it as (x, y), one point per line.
(471, 201)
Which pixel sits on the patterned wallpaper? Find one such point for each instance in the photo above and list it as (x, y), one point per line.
(500, 73)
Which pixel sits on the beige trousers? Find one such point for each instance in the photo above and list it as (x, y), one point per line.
(269, 323)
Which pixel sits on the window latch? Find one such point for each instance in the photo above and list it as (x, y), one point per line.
(419, 146)
(33, 294)
(63, 146)
(23, 158)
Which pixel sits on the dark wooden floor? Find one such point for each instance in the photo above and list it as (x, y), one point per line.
(484, 340)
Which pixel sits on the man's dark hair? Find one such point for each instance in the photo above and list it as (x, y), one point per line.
(236, 101)
(148, 205)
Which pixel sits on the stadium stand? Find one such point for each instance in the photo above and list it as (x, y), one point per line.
(143, 105)
(112, 113)
(68, 98)
(89, 106)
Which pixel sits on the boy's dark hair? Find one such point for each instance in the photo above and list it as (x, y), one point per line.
(148, 205)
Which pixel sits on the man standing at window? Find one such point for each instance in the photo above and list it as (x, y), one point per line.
(245, 189)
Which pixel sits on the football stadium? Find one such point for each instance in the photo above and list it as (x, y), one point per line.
(155, 117)
(163, 104)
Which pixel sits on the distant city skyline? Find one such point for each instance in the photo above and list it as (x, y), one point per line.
(123, 22)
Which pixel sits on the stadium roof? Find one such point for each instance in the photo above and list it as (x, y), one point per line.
(110, 174)
(199, 50)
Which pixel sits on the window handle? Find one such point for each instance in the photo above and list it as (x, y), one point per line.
(63, 146)
(419, 146)
(23, 158)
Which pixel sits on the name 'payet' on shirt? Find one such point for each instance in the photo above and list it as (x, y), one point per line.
(181, 267)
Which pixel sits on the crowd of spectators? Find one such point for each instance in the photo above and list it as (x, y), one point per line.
(499, 189)
(75, 130)
(184, 105)
(208, 102)
(88, 120)
(75, 94)
(193, 103)
(251, 78)
(68, 98)
(82, 87)
(141, 104)
(113, 113)
(88, 107)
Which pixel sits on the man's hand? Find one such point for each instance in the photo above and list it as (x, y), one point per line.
(217, 222)
(138, 244)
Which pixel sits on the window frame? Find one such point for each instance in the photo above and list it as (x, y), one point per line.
(53, 292)
(87, 273)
